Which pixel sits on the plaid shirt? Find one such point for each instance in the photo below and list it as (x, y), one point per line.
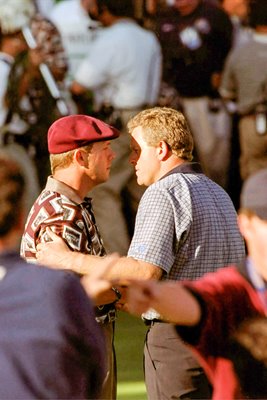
(186, 224)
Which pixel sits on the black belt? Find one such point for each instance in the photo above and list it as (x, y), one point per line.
(151, 322)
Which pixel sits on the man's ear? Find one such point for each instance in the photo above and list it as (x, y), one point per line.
(163, 150)
(80, 157)
(244, 224)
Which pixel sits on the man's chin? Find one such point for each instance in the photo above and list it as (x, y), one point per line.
(140, 181)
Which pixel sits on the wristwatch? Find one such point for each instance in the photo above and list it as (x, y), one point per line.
(117, 292)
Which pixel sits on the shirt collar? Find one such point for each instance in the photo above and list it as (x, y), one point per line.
(256, 279)
(185, 168)
(55, 185)
(7, 58)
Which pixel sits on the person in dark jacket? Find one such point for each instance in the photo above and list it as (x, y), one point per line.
(51, 347)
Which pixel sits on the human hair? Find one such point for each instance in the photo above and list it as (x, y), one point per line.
(248, 351)
(119, 8)
(63, 160)
(168, 125)
(257, 13)
(246, 211)
(12, 187)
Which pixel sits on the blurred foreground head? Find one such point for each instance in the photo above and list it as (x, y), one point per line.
(248, 352)
(14, 15)
(257, 13)
(254, 193)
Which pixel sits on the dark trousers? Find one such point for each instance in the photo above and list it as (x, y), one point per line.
(171, 372)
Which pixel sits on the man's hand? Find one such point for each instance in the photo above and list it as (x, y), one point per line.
(140, 296)
(97, 286)
(54, 253)
(170, 299)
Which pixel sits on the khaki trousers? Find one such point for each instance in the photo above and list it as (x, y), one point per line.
(109, 391)
(253, 147)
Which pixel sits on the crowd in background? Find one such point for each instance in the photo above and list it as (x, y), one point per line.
(119, 61)
(99, 70)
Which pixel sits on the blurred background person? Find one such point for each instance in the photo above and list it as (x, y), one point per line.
(238, 13)
(45, 6)
(28, 104)
(244, 81)
(74, 20)
(196, 36)
(242, 32)
(123, 70)
(12, 45)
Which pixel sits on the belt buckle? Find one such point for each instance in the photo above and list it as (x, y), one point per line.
(147, 322)
(109, 317)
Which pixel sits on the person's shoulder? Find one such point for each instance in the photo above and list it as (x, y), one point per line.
(51, 285)
(40, 273)
(47, 198)
(61, 7)
(215, 13)
(165, 187)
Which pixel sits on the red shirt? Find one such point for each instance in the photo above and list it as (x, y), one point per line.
(227, 298)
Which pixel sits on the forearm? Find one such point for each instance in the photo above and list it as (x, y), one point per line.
(82, 264)
(171, 300)
(85, 263)
(176, 304)
(130, 268)
(124, 268)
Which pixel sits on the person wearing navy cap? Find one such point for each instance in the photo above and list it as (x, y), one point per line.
(80, 158)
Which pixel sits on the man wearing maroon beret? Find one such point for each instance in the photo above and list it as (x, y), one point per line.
(80, 158)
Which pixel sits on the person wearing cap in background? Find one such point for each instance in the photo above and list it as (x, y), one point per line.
(208, 311)
(80, 157)
(30, 46)
(12, 45)
(244, 84)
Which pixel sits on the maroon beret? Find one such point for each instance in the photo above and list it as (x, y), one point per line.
(74, 131)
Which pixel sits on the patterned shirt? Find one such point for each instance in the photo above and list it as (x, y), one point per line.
(60, 208)
(49, 43)
(186, 224)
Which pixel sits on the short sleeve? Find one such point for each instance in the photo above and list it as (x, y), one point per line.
(154, 238)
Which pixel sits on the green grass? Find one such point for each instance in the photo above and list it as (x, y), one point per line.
(129, 340)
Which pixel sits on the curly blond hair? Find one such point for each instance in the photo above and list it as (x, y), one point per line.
(167, 124)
